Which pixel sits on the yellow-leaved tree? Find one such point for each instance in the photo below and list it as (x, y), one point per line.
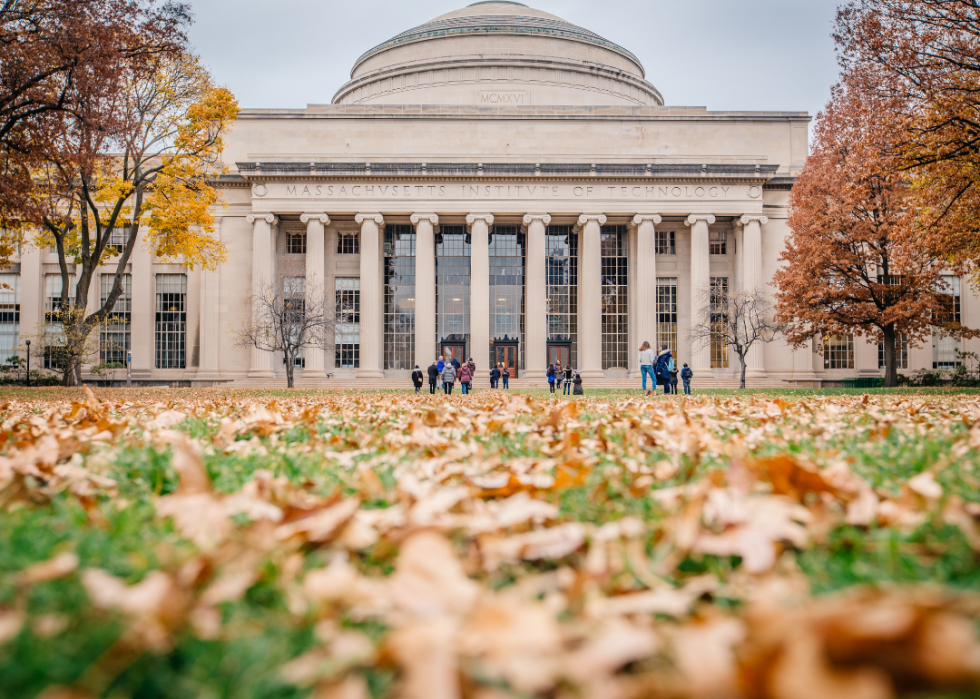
(147, 177)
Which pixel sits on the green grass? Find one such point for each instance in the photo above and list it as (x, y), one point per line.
(125, 537)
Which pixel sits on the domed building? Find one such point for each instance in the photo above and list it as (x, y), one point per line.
(496, 183)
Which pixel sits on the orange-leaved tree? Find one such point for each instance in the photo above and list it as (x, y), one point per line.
(853, 262)
(923, 56)
(150, 179)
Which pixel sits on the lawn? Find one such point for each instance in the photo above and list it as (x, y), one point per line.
(270, 544)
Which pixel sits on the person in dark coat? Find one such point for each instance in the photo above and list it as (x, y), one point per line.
(662, 368)
(569, 373)
(506, 377)
(552, 377)
(495, 376)
(686, 376)
(433, 377)
(417, 379)
(577, 389)
(456, 365)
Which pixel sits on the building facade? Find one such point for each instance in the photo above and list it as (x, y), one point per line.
(497, 184)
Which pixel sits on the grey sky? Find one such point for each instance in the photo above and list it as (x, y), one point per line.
(721, 54)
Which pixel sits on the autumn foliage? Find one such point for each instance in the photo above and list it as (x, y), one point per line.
(922, 57)
(855, 262)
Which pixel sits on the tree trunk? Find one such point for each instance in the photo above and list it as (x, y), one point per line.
(290, 367)
(741, 383)
(891, 359)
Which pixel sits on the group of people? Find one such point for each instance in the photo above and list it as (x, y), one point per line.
(444, 375)
(564, 379)
(663, 371)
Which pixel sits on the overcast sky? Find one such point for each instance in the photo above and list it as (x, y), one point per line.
(720, 54)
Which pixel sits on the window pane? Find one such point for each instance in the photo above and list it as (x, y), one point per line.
(399, 300)
(347, 336)
(171, 321)
(719, 322)
(9, 316)
(114, 341)
(561, 260)
(615, 297)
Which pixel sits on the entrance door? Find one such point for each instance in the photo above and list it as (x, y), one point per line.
(451, 352)
(506, 357)
(559, 353)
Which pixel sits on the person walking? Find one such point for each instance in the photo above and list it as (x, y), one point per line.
(506, 378)
(578, 390)
(417, 379)
(686, 376)
(441, 366)
(662, 369)
(647, 359)
(448, 379)
(552, 377)
(472, 365)
(495, 377)
(456, 364)
(567, 389)
(465, 376)
(433, 372)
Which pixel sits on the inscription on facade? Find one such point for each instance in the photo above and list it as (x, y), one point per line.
(522, 192)
(503, 98)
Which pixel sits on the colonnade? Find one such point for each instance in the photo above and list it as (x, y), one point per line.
(643, 284)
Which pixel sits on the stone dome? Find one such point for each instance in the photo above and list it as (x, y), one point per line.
(499, 53)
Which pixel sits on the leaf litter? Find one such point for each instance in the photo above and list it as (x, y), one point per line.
(505, 546)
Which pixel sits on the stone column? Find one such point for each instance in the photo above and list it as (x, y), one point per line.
(752, 279)
(425, 289)
(211, 317)
(536, 297)
(479, 225)
(263, 269)
(590, 296)
(142, 317)
(645, 281)
(371, 225)
(316, 276)
(700, 279)
(803, 372)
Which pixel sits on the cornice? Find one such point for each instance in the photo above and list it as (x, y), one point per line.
(268, 170)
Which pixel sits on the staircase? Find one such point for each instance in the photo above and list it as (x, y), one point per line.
(405, 384)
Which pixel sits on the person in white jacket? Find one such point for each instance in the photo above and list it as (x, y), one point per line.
(647, 358)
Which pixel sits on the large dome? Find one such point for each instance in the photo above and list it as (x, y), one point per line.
(498, 53)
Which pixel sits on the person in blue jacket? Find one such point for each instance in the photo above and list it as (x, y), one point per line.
(662, 368)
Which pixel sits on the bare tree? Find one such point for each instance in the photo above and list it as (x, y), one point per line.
(289, 315)
(737, 320)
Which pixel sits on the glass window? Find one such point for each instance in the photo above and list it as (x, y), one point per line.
(561, 261)
(347, 338)
(453, 288)
(718, 242)
(53, 330)
(667, 314)
(295, 243)
(9, 316)
(901, 353)
(666, 244)
(507, 249)
(615, 296)
(399, 301)
(945, 348)
(838, 352)
(118, 237)
(350, 244)
(719, 322)
(171, 321)
(114, 341)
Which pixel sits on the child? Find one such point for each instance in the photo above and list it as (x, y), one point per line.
(686, 376)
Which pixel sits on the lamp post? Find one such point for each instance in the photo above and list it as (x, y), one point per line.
(28, 343)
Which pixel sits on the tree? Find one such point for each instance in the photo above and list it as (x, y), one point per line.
(152, 173)
(287, 316)
(921, 58)
(854, 261)
(56, 57)
(740, 320)
(64, 344)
